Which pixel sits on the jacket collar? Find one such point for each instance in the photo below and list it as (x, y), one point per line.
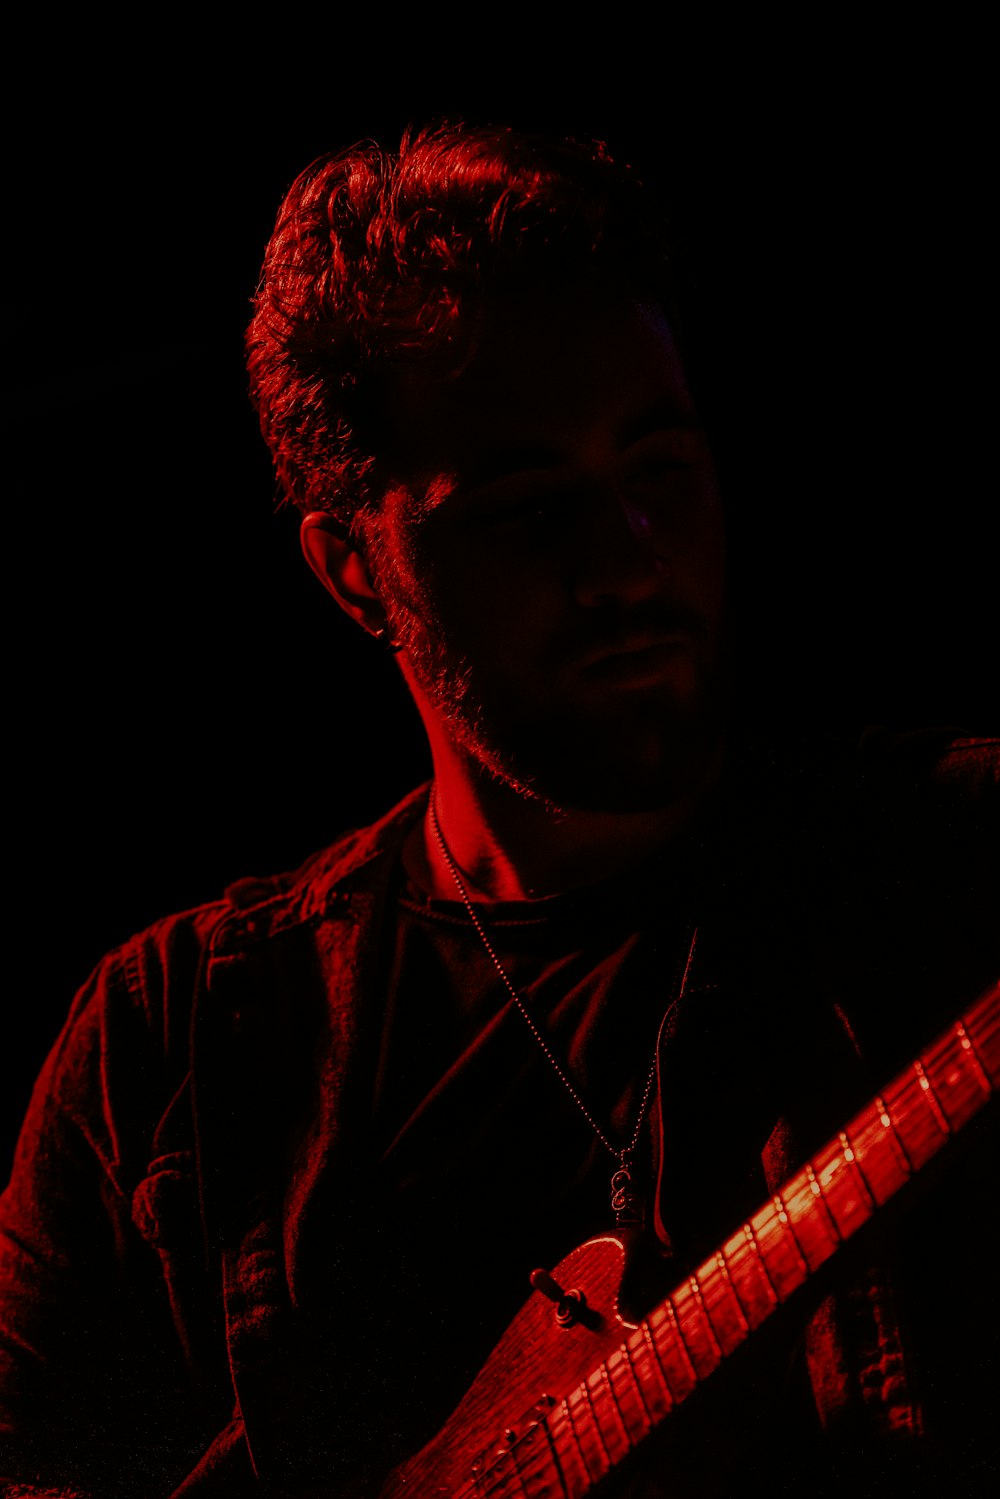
(260, 908)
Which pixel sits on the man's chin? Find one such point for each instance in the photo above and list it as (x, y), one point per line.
(620, 776)
(617, 791)
(647, 752)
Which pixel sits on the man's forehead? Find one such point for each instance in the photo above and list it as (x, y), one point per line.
(541, 376)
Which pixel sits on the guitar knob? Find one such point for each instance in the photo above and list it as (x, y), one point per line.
(569, 1304)
(542, 1281)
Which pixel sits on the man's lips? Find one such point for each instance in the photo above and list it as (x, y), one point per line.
(639, 659)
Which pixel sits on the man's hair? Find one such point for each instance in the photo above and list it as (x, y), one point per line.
(379, 259)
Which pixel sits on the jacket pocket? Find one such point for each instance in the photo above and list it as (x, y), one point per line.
(165, 1204)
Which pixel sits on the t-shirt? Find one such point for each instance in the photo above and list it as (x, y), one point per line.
(488, 1166)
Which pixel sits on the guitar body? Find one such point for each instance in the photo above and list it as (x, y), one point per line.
(537, 1362)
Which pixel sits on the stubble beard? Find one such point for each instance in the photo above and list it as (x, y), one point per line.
(642, 755)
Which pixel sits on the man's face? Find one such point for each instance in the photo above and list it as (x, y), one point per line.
(552, 559)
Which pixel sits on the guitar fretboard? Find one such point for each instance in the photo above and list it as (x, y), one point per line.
(581, 1438)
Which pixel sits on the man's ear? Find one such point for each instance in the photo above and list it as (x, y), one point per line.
(334, 557)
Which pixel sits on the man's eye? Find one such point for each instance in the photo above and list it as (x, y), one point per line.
(524, 509)
(521, 517)
(664, 458)
(663, 467)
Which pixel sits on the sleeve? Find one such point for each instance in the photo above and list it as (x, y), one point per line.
(914, 912)
(93, 1387)
(904, 1359)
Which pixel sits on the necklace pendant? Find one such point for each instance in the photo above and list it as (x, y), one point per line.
(626, 1203)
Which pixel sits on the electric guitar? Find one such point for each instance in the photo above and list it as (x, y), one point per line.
(572, 1388)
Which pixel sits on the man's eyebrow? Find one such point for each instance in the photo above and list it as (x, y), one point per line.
(507, 459)
(663, 417)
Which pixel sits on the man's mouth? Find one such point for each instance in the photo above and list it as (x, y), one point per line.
(641, 661)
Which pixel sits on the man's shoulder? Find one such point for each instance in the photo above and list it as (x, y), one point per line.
(912, 800)
(865, 878)
(928, 798)
(833, 792)
(908, 758)
(351, 863)
(910, 878)
(163, 961)
(958, 762)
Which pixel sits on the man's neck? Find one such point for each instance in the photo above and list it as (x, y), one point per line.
(511, 846)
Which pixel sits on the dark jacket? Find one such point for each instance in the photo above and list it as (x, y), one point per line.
(194, 1160)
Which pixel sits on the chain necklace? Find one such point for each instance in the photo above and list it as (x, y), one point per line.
(625, 1202)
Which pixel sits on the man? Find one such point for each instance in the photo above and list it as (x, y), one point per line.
(296, 1154)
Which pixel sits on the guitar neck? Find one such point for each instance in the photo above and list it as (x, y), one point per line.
(579, 1440)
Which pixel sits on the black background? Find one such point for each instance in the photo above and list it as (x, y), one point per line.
(185, 704)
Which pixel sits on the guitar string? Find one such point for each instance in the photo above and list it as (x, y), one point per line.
(650, 1356)
(622, 1156)
(644, 1360)
(540, 1460)
(642, 1355)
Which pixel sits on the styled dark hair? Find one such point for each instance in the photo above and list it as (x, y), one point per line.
(378, 259)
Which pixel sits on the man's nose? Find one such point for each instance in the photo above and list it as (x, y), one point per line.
(617, 553)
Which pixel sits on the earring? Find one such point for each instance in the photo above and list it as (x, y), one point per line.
(384, 639)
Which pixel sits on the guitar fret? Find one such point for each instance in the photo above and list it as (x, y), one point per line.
(846, 1194)
(682, 1342)
(812, 1231)
(570, 1424)
(878, 1153)
(915, 1120)
(585, 1387)
(982, 1025)
(784, 1218)
(628, 1391)
(956, 1076)
(672, 1351)
(932, 1098)
(592, 1477)
(671, 1398)
(699, 1298)
(785, 1265)
(757, 1252)
(889, 1123)
(630, 1364)
(723, 1265)
(851, 1157)
(970, 1055)
(722, 1307)
(820, 1195)
(606, 1375)
(750, 1284)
